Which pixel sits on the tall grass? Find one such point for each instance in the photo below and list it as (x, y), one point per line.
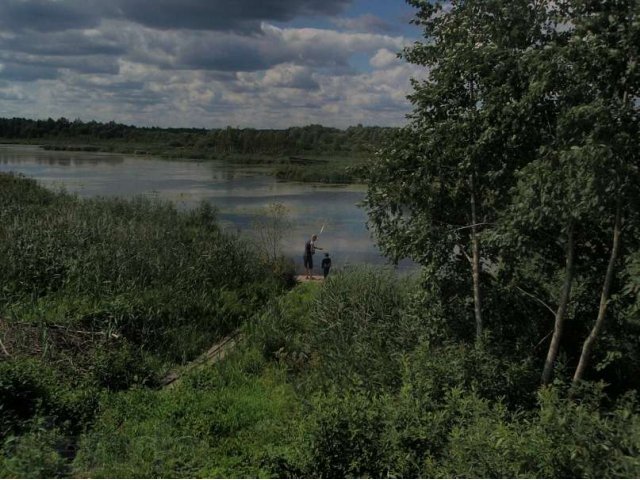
(166, 280)
(101, 295)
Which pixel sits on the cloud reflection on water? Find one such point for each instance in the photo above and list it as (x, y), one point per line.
(238, 191)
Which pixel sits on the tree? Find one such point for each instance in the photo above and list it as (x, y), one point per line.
(605, 51)
(436, 189)
(270, 225)
(565, 220)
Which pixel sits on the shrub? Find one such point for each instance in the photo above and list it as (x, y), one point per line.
(348, 436)
(279, 331)
(38, 454)
(359, 329)
(228, 420)
(32, 392)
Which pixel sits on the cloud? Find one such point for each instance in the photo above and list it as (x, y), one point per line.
(21, 67)
(225, 15)
(233, 52)
(326, 48)
(47, 15)
(26, 73)
(221, 15)
(75, 42)
(10, 93)
(365, 23)
(384, 58)
(291, 76)
(199, 63)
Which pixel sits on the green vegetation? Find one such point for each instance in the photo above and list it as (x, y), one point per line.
(513, 354)
(308, 154)
(364, 375)
(99, 296)
(519, 173)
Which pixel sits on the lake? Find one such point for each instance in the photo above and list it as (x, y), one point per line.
(238, 191)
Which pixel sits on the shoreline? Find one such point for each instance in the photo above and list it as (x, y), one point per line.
(329, 169)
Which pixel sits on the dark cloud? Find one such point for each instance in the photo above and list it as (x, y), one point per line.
(47, 15)
(27, 73)
(31, 68)
(62, 43)
(233, 52)
(229, 15)
(224, 53)
(224, 15)
(90, 65)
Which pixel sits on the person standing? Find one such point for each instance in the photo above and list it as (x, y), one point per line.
(310, 248)
(326, 264)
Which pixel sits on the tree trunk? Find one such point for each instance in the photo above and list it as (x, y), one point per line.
(554, 347)
(604, 300)
(475, 260)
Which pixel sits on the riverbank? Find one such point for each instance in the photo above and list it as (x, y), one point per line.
(308, 154)
(318, 168)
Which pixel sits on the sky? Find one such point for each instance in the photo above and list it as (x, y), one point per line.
(207, 63)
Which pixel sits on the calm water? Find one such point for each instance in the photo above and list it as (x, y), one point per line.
(238, 191)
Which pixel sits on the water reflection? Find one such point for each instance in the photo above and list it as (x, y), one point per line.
(238, 191)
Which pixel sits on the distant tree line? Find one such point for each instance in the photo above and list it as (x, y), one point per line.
(311, 138)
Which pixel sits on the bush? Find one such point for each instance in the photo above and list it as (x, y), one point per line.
(38, 454)
(279, 331)
(24, 386)
(31, 391)
(348, 436)
(563, 439)
(359, 329)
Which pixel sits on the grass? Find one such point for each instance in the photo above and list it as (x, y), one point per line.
(103, 296)
(169, 281)
(232, 420)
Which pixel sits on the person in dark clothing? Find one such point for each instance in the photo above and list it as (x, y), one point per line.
(310, 250)
(326, 264)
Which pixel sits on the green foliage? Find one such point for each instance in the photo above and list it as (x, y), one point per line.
(522, 150)
(246, 145)
(38, 454)
(358, 331)
(23, 386)
(562, 440)
(31, 393)
(279, 332)
(100, 296)
(463, 435)
(167, 281)
(222, 421)
(347, 437)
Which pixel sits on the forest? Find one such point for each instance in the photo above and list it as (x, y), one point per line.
(193, 142)
(513, 352)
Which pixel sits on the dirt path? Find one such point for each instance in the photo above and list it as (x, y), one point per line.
(220, 350)
(212, 356)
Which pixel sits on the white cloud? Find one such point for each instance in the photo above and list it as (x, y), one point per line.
(277, 77)
(384, 58)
